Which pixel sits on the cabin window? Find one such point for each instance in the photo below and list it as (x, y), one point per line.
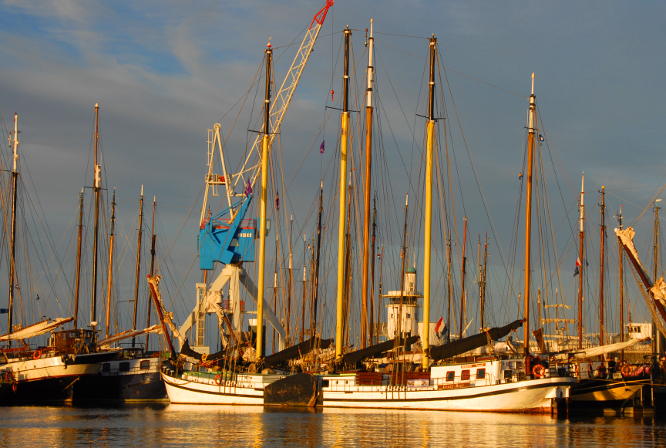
(480, 374)
(324, 383)
(72, 335)
(450, 376)
(508, 374)
(464, 376)
(145, 364)
(408, 315)
(124, 367)
(106, 367)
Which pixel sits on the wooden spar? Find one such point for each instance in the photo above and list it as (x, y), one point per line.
(77, 286)
(262, 210)
(621, 276)
(315, 282)
(581, 262)
(302, 338)
(480, 281)
(462, 288)
(601, 267)
(96, 189)
(449, 289)
(138, 264)
(12, 260)
(313, 307)
(528, 222)
(158, 308)
(344, 141)
(427, 253)
(111, 235)
(291, 266)
(153, 240)
(366, 192)
(380, 290)
(372, 274)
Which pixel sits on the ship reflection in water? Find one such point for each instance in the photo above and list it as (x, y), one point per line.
(180, 425)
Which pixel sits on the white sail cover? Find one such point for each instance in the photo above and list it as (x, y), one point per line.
(598, 350)
(128, 334)
(37, 329)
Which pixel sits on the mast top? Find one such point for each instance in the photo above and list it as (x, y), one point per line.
(96, 105)
(532, 83)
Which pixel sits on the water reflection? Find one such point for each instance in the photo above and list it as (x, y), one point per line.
(179, 425)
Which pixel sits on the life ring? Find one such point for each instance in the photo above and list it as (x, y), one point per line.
(538, 370)
(218, 379)
(37, 354)
(8, 375)
(626, 370)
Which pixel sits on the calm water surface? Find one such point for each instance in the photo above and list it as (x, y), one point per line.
(178, 425)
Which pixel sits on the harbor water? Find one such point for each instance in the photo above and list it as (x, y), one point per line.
(178, 426)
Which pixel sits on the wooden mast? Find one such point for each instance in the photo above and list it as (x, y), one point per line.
(462, 288)
(483, 283)
(78, 262)
(347, 264)
(12, 261)
(315, 282)
(96, 189)
(304, 288)
(344, 141)
(657, 339)
(368, 174)
(108, 294)
(427, 254)
(621, 275)
(275, 281)
(153, 240)
(403, 255)
(449, 289)
(138, 264)
(601, 267)
(581, 262)
(291, 266)
(528, 223)
(262, 208)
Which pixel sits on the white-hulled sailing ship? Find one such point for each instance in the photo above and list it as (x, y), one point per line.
(478, 383)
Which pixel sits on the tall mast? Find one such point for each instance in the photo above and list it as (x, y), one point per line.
(621, 275)
(462, 287)
(380, 290)
(449, 289)
(480, 281)
(528, 220)
(315, 285)
(601, 266)
(12, 261)
(430, 131)
(372, 274)
(96, 189)
(347, 263)
(402, 272)
(262, 208)
(368, 174)
(581, 262)
(483, 282)
(138, 263)
(153, 240)
(275, 282)
(304, 288)
(108, 294)
(344, 141)
(78, 262)
(291, 265)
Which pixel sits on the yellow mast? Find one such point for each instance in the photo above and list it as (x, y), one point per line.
(262, 207)
(528, 221)
(344, 139)
(430, 128)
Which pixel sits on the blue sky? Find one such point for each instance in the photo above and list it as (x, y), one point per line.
(164, 72)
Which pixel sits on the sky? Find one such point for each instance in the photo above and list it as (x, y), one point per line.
(165, 72)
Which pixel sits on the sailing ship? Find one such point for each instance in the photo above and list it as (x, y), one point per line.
(471, 383)
(45, 373)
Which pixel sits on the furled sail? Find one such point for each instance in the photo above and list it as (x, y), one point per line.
(128, 334)
(470, 343)
(37, 329)
(373, 350)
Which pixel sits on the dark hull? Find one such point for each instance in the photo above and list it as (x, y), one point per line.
(600, 394)
(40, 391)
(129, 387)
